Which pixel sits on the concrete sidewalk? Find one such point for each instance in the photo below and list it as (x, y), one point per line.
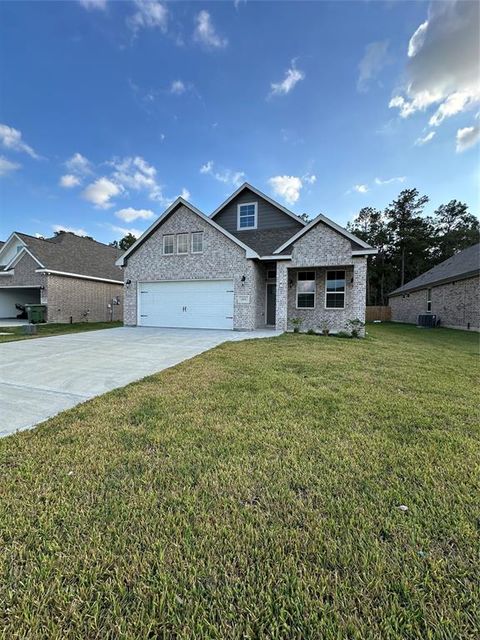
(41, 377)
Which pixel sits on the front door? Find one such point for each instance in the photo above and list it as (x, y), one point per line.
(271, 303)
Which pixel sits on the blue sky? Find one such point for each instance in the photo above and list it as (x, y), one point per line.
(109, 110)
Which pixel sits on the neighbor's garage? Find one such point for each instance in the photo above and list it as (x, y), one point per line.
(10, 296)
(195, 304)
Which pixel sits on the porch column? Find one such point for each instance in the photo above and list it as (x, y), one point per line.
(281, 321)
(359, 288)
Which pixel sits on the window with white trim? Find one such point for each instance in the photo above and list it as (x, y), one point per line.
(429, 300)
(335, 290)
(197, 242)
(182, 243)
(247, 215)
(306, 289)
(168, 245)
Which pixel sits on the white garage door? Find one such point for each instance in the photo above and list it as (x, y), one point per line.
(197, 304)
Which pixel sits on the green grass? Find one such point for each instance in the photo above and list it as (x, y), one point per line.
(253, 492)
(44, 330)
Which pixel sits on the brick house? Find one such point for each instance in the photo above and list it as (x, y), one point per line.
(451, 291)
(75, 277)
(251, 264)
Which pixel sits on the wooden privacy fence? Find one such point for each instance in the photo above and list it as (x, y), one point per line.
(378, 313)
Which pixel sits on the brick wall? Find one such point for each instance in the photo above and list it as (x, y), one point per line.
(221, 258)
(457, 304)
(73, 297)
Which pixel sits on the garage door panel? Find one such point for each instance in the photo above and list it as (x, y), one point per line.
(198, 304)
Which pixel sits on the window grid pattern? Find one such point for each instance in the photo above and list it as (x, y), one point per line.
(335, 290)
(306, 289)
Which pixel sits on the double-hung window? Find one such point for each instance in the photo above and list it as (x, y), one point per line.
(197, 242)
(306, 289)
(429, 300)
(247, 216)
(168, 245)
(335, 290)
(182, 243)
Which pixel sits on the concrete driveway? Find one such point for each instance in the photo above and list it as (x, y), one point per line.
(41, 377)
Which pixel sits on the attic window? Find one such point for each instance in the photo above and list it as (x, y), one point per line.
(247, 215)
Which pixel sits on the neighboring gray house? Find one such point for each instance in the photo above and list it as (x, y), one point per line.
(251, 264)
(451, 291)
(75, 277)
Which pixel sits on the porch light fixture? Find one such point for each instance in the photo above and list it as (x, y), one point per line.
(290, 283)
(128, 282)
(243, 278)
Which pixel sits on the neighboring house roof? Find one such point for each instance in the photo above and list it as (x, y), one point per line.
(1, 243)
(72, 254)
(358, 246)
(257, 192)
(462, 265)
(167, 213)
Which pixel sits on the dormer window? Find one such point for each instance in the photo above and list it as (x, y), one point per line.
(247, 216)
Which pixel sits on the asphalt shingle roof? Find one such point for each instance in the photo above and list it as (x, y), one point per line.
(74, 254)
(461, 265)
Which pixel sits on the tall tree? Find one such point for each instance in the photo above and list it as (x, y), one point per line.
(411, 243)
(455, 229)
(127, 241)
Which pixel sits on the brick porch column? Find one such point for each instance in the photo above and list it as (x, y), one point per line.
(282, 296)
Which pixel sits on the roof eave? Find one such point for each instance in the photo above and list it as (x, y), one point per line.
(435, 283)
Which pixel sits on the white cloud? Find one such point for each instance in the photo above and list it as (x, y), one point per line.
(309, 178)
(11, 138)
(149, 14)
(443, 63)
(424, 139)
(129, 214)
(100, 192)
(125, 231)
(381, 182)
(185, 194)
(286, 187)
(227, 176)
(361, 188)
(467, 137)
(178, 87)
(6, 166)
(205, 32)
(94, 4)
(79, 164)
(69, 180)
(76, 231)
(292, 77)
(136, 173)
(374, 60)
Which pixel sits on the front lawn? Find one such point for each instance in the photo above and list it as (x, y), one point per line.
(254, 492)
(13, 334)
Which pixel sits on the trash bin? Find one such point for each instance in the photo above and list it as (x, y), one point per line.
(36, 313)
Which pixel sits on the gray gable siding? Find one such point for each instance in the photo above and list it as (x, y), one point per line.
(269, 217)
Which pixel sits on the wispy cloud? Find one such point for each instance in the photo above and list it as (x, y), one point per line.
(292, 77)
(419, 142)
(374, 60)
(177, 87)
(380, 181)
(227, 176)
(76, 230)
(361, 188)
(205, 32)
(286, 187)
(94, 4)
(466, 138)
(130, 214)
(79, 165)
(149, 14)
(68, 181)
(7, 166)
(11, 138)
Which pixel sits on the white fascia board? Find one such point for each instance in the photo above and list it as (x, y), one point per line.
(5, 247)
(76, 275)
(275, 257)
(249, 252)
(20, 255)
(260, 194)
(7, 273)
(365, 252)
(328, 222)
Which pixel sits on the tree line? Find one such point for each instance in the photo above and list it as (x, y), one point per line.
(408, 242)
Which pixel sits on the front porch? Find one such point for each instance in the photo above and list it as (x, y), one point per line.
(318, 297)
